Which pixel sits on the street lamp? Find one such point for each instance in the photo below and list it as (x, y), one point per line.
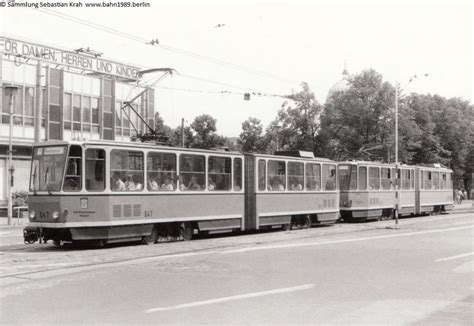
(277, 128)
(397, 188)
(10, 90)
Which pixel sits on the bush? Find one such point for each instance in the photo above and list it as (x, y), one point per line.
(20, 198)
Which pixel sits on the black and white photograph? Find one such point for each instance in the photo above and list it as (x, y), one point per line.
(305, 162)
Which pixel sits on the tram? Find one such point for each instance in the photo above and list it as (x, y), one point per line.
(112, 192)
(368, 190)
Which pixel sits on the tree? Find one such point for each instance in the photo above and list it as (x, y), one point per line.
(299, 120)
(251, 137)
(204, 127)
(359, 122)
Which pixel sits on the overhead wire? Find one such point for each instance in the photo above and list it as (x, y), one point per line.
(164, 46)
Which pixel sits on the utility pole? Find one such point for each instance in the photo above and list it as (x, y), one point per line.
(11, 89)
(182, 132)
(397, 187)
(39, 104)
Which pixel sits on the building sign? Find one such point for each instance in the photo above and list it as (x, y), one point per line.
(67, 58)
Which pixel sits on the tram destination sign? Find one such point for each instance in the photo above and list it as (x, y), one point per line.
(73, 59)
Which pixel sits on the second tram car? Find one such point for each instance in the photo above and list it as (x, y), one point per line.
(368, 190)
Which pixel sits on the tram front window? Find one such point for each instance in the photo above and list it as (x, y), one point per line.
(47, 168)
(347, 177)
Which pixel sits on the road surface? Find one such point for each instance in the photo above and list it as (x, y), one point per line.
(420, 273)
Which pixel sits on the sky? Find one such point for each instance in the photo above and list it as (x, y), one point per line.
(276, 45)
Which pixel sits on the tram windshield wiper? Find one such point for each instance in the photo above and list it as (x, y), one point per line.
(34, 180)
(46, 180)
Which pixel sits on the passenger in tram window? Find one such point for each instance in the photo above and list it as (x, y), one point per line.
(331, 182)
(167, 185)
(182, 187)
(117, 184)
(211, 185)
(129, 184)
(137, 180)
(193, 184)
(153, 184)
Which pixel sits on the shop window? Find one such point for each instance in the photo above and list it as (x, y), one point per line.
(95, 110)
(67, 104)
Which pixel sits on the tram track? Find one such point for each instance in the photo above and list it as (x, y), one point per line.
(251, 239)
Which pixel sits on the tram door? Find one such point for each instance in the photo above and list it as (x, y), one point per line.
(418, 184)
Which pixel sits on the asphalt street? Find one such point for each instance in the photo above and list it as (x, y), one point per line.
(421, 273)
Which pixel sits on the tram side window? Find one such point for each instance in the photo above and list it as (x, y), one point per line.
(262, 178)
(72, 179)
(276, 175)
(449, 183)
(313, 177)
(442, 180)
(405, 179)
(329, 177)
(237, 174)
(412, 179)
(362, 178)
(374, 178)
(95, 169)
(219, 173)
(435, 180)
(427, 180)
(386, 180)
(126, 170)
(192, 172)
(295, 176)
(161, 171)
(347, 177)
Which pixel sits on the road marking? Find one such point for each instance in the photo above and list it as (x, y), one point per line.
(309, 244)
(1, 233)
(232, 298)
(455, 257)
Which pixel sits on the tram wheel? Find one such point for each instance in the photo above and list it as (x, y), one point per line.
(186, 230)
(286, 227)
(152, 238)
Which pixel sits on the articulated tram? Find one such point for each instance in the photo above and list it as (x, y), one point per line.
(112, 192)
(368, 190)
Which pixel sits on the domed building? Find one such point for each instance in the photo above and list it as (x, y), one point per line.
(339, 87)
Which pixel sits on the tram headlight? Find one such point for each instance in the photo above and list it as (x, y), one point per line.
(32, 214)
(55, 215)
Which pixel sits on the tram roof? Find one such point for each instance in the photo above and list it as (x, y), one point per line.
(134, 145)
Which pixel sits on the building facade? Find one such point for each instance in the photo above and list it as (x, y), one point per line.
(76, 94)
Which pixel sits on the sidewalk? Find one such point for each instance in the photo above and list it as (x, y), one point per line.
(466, 205)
